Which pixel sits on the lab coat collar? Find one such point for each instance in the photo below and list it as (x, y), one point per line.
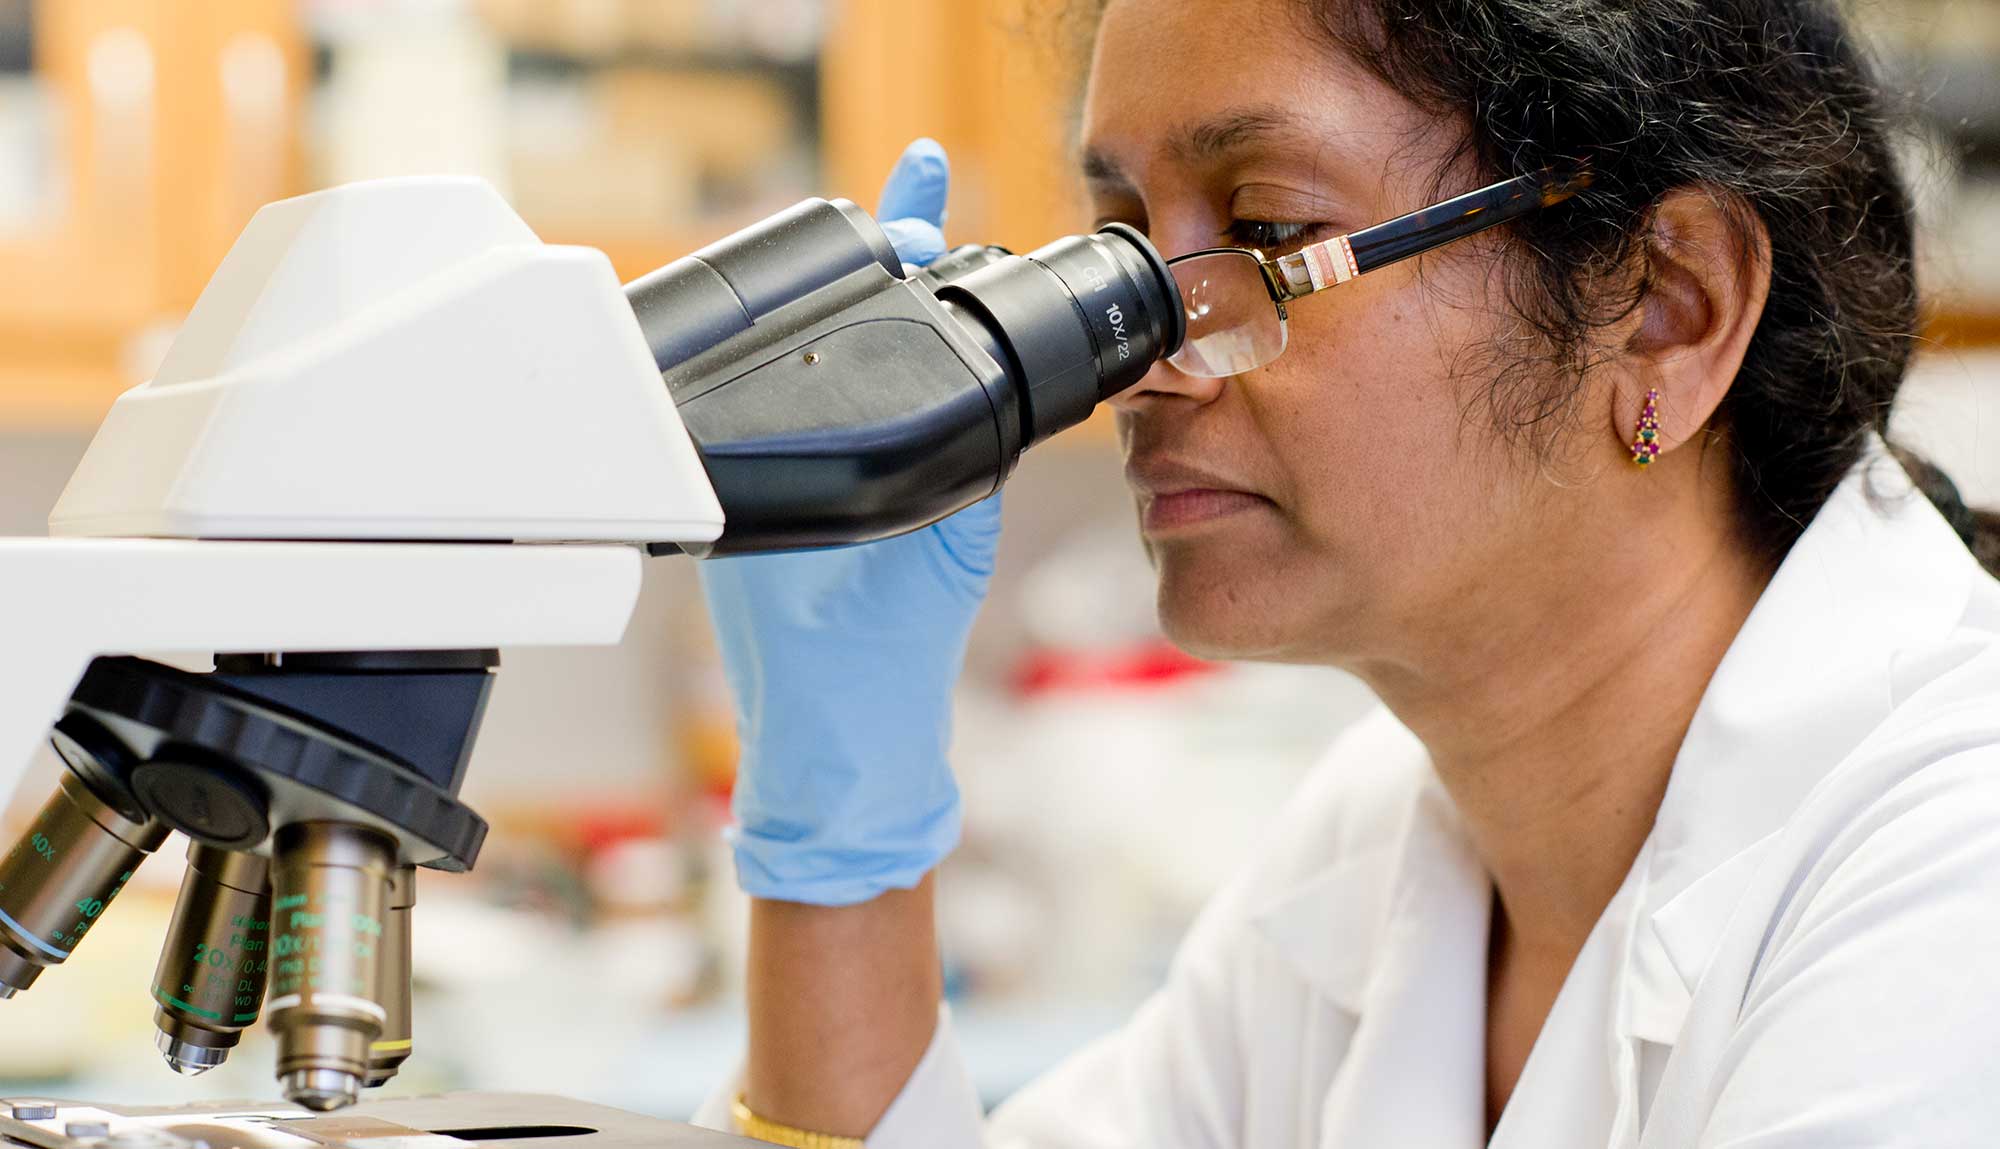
(1334, 925)
(1329, 927)
(1817, 666)
(1413, 971)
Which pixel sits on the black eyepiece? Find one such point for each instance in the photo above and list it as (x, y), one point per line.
(1077, 321)
(835, 401)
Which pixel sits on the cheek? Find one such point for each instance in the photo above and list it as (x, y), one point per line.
(1392, 496)
(1373, 422)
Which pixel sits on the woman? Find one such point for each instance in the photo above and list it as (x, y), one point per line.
(1678, 826)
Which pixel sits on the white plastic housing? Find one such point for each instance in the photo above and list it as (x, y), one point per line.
(399, 359)
(70, 599)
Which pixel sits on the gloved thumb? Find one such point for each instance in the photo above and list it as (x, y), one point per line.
(918, 184)
(917, 242)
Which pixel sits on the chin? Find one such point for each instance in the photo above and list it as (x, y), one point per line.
(1218, 618)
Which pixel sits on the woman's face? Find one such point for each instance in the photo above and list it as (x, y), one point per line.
(1352, 494)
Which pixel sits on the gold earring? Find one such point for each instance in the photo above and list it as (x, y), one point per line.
(1646, 447)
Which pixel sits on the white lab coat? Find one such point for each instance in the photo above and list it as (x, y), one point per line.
(1806, 952)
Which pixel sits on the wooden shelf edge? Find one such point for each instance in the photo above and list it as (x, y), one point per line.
(1965, 327)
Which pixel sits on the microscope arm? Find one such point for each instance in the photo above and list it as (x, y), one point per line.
(396, 433)
(69, 600)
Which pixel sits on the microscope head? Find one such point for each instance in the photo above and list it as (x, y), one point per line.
(403, 360)
(343, 487)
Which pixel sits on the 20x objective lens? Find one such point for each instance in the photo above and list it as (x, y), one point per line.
(331, 885)
(210, 980)
(77, 855)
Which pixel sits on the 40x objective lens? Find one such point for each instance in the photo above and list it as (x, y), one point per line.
(389, 1051)
(210, 980)
(330, 883)
(78, 854)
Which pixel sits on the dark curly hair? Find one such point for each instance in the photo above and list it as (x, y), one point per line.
(1771, 103)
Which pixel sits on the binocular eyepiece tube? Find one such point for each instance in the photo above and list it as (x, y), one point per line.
(836, 399)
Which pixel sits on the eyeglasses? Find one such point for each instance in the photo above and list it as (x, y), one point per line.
(1235, 298)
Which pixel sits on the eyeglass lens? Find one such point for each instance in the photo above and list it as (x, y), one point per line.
(1233, 326)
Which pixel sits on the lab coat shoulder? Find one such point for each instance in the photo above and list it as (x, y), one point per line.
(1242, 1033)
(1336, 839)
(1853, 1000)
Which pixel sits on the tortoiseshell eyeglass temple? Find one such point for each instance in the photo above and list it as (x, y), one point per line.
(1337, 260)
(1235, 298)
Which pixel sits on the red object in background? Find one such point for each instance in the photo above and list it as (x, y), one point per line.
(1140, 667)
(600, 827)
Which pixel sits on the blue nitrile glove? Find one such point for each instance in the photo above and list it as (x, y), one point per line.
(843, 663)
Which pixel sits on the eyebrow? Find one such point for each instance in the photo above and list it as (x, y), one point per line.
(1221, 134)
(1100, 168)
(1204, 141)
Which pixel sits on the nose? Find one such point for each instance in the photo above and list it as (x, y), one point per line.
(1166, 384)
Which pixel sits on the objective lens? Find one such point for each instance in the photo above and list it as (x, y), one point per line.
(210, 980)
(78, 854)
(331, 884)
(387, 1054)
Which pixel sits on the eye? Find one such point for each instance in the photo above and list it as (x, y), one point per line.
(1266, 235)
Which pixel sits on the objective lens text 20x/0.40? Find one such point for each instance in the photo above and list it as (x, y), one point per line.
(75, 858)
(210, 981)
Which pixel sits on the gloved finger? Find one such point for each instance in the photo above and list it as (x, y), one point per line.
(917, 185)
(917, 242)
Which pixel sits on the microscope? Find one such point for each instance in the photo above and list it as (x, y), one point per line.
(397, 434)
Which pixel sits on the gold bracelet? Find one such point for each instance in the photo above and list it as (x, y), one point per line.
(755, 1127)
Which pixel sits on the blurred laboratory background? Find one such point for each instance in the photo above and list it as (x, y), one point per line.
(596, 952)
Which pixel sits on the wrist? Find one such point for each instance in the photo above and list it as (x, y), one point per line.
(842, 854)
(757, 1128)
(842, 1006)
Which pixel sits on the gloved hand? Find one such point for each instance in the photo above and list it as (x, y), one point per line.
(843, 662)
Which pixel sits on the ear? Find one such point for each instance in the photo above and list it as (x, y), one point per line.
(1709, 275)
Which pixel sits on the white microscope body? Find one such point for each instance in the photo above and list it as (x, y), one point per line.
(394, 422)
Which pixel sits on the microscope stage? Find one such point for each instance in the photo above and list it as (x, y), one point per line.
(441, 1121)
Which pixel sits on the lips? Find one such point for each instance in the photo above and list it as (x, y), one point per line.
(1192, 508)
(1176, 496)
